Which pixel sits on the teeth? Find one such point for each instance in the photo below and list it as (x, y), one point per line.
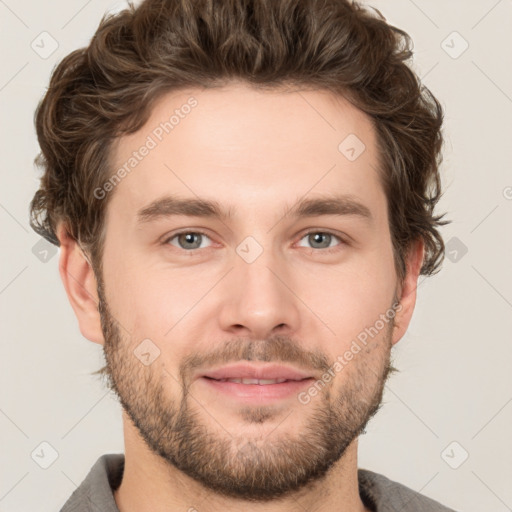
(261, 382)
(271, 381)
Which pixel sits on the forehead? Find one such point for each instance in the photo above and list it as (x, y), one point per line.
(246, 148)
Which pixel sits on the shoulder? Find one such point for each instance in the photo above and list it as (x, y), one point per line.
(96, 491)
(385, 495)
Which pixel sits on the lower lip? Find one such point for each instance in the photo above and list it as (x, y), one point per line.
(258, 392)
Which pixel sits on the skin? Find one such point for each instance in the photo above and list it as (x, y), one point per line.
(258, 152)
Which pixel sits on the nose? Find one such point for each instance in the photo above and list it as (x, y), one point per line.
(258, 298)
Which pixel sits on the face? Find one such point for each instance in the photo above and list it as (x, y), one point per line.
(291, 279)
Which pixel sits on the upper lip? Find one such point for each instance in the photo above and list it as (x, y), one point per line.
(248, 371)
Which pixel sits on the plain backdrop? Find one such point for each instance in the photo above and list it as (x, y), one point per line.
(444, 429)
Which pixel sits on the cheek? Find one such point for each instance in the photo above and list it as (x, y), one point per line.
(161, 306)
(155, 302)
(134, 301)
(352, 297)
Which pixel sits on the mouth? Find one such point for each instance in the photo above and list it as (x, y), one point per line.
(263, 374)
(259, 384)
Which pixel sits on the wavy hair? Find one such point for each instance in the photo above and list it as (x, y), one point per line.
(101, 92)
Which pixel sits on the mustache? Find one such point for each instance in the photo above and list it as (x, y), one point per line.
(276, 349)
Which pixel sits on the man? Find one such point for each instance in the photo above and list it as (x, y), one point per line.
(243, 193)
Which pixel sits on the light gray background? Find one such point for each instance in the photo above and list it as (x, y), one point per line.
(455, 380)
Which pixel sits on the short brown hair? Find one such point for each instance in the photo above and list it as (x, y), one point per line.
(101, 92)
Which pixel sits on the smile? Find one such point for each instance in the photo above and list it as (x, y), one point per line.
(260, 382)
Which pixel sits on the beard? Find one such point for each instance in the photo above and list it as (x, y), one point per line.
(246, 466)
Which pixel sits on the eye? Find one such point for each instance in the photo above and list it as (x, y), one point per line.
(322, 240)
(192, 240)
(188, 240)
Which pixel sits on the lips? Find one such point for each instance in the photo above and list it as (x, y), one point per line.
(254, 384)
(260, 382)
(261, 375)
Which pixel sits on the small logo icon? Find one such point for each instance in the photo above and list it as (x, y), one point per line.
(249, 249)
(43, 250)
(454, 45)
(455, 249)
(44, 45)
(247, 452)
(44, 455)
(352, 147)
(454, 455)
(146, 352)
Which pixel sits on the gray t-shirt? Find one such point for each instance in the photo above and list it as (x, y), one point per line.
(378, 493)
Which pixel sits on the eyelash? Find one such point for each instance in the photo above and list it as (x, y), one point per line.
(192, 252)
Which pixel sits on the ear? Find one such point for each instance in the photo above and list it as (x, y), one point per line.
(81, 286)
(407, 290)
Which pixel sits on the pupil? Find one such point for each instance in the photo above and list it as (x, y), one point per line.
(189, 238)
(318, 236)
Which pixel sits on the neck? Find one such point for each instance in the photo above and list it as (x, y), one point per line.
(150, 484)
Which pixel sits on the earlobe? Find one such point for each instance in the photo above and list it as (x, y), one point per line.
(407, 295)
(81, 286)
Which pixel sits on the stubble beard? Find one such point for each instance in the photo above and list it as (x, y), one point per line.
(256, 468)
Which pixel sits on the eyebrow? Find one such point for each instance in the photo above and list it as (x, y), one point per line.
(169, 206)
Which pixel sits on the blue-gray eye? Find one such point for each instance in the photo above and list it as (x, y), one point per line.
(189, 240)
(323, 239)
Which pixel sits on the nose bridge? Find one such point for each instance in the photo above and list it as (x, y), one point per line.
(257, 294)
